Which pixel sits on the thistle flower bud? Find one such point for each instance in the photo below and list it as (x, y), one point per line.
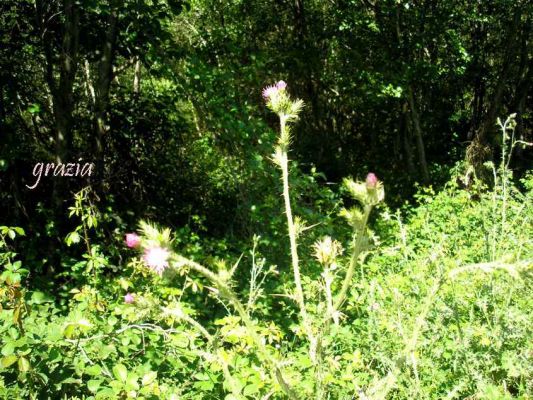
(371, 181)
(281, 85)
(327, 250)
(368, 193)
(353, 216)
(374, 187)
(132, 240)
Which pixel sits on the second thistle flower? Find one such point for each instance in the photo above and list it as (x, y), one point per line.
(156, 258)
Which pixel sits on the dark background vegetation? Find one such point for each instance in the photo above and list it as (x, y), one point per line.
(165, 98)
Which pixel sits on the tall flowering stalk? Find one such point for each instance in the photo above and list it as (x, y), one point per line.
(278, 101)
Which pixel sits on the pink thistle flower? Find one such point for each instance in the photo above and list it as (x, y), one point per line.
(371, 181)
(269, 91)
(129, 298)
(132, 240)
(281, 85)
(157, 259)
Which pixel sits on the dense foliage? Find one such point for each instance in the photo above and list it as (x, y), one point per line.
(203, 235)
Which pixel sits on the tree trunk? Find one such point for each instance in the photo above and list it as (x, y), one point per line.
(137, 78)
(525, 81)
(407, 145)
(415, 118)
(62, 90)
(418, 136)
(103, 83)
(299, 17)
(523, 89)
(479, 149)
(68, 63)
(478, 64)
(90, 88)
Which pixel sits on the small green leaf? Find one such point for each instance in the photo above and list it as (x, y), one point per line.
(54, 354)
(131, 383)
(149, 377)
(8, 361)
(8, 349)
(106, 393)
(94, 370)
(251, 389)
(24, 364)
(34, 108)
(72, 238)
(93, 385)
(120, 372)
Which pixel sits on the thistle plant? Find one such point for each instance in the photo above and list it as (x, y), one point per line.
(336, 277)
(509, 142)
(502, 177)
(278, 101)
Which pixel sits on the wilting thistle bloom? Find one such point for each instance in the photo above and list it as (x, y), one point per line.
(132, 240)
(129, 298)
(156, 258)
(327, 250)
(371, 180)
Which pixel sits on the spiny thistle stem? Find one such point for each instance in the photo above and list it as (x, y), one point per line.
(329, 297)
(357, 245)
(284, 165)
